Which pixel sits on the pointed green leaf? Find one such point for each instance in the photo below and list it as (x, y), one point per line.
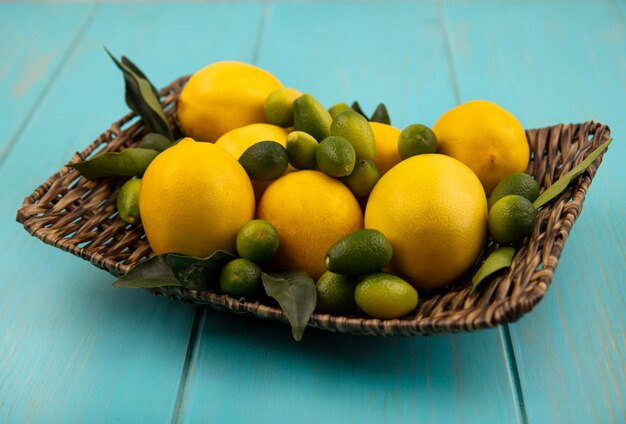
(296, 295)
(357, 108)
(126, 61)
(381, 115)
(151, 273)
(155, 141)
(129, 162)
(142, 98)
(197, 273)
(499, 259)
(561, 184)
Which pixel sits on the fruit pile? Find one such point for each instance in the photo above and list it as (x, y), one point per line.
(370, 212)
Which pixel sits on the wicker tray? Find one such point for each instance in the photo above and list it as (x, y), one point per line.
(79, 216)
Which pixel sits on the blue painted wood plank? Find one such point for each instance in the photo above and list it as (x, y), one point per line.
(569, 65)
(34, 41)
(72, 348)
(251, 371)
(246, 370)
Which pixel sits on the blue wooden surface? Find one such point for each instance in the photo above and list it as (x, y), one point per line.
(74, 349)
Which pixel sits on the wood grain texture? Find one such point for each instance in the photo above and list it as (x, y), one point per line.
(247, 370)
(72, 348)
(250, 371)
(30, 58)
(547, 66)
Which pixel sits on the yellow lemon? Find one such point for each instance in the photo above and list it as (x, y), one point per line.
(223, 96)
(485, 137)
(194, 198)
(433, 210)
(387, 154)
(311, 211)
(238, 140)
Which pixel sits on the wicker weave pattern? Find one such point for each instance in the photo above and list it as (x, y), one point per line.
(79, 216)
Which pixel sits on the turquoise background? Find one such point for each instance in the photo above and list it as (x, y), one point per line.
(74, 349)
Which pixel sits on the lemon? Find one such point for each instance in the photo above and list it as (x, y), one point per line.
(278, 107)
(240, 277)
(194, 198)
(485, 137)
(258, 241)
(223, 96)
(238, 140)
(335, 156)
(385, 296)
(386, 138)
(519, 183)
(128, 201)
(311, 211)
(433, 210)
(511, 219)
(335, 294)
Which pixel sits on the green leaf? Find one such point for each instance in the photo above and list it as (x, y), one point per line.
(126, 61)
(561, 184)
(357, 108)
(142, 97)
(499, 259)
(381, 115)
(129, 162)
(155, 141)
(197, 273)
(296, 295)
(151, 273)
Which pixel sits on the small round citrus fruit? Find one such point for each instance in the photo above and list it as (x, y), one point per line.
(128, 201)
(301, 149)
(518, 183)
(485, 137)
(338, 108)
(511, 219)
(335, 156)
(387, 154)
(416, 139)
(385, 296)
(355, 128)
(433, 210)
(335, 294)
(363, 178)
(194, 198)
(258, 241)
(311, 211)
(265, 160)
(223, 96)
(278, 107)
(239, 140)
(240, 277)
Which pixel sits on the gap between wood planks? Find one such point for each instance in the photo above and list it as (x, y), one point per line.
(191, 356)
(13, 139)
(505, 334)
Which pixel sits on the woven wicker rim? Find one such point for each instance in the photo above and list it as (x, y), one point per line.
(79, 216)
